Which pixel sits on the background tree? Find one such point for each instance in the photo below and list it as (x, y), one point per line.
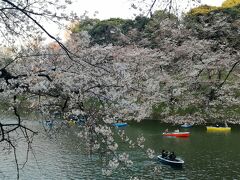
(147, 7)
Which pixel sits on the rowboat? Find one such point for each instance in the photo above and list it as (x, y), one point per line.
(120, 124)
(177, 134)
(175, 163)
(48, 123)
(186, 125)
(218, 129)
(71, 123)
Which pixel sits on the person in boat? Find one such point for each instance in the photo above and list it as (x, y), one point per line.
(49, 123)
(164, 153)
(177, 130)
(166, 130)
(225, 123)
(72, 117)
(172, 156)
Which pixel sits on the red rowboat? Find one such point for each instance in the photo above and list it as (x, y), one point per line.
(177, 134)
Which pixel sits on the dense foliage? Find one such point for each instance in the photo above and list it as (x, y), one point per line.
(228, 5)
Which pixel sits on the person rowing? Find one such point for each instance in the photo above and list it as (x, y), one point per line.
(172, 156)
(164, 154)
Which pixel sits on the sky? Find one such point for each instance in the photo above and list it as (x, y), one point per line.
(109, 9)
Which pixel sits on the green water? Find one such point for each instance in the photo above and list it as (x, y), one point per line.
(206, 156)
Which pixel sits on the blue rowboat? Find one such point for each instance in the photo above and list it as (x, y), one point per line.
(174, 163)
(120, 124)
(49, 122)
(186, 125)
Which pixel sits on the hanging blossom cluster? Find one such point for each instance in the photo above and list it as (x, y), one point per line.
(120, 160)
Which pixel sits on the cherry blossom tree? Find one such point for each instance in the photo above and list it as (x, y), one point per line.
(103, 82)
